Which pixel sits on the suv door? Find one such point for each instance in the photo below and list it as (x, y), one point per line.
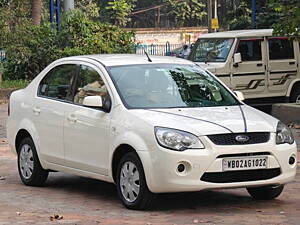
(87, 129)
(48, 111)
(282, 66)
(249, 76)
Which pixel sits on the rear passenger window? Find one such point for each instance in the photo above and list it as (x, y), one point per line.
(281, 48)
(250, 49)
(57, 83)
(89, 83)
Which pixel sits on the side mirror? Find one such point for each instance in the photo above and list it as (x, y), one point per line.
(239, 95)
(237, 58)
(93, 101)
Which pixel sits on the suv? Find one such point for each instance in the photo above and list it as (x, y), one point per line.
(149, 125)
(265, 68)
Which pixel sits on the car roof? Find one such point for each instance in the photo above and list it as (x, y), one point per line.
(239, 33)
(129, 59)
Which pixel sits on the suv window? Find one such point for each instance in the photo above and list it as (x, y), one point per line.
(281, 48)
(211, 49)
(250, 49)
(57, 83)
(89, 83)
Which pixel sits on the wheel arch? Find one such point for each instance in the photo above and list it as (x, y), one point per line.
(26, 127)
(119, 152)
(22, 133)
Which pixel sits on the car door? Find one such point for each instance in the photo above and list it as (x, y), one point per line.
(282, 66)
(48, 111)
(86, 129)
(249, 76)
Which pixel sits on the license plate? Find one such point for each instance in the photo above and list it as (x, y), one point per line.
(245, 163)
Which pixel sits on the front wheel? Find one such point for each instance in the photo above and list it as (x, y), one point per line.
(265, 192)
(131, 183)
(30, 169)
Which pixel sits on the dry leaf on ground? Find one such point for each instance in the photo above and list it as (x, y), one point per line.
(56, 217)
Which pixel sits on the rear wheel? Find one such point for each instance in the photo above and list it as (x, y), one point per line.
(265, 192)
(131, 183)
(295, 94)
(30, 169)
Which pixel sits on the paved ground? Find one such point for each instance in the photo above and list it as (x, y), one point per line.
(85, 201)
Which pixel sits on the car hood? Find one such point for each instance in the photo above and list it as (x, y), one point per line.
(209, 120)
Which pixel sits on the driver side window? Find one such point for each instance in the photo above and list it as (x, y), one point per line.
(89, 83)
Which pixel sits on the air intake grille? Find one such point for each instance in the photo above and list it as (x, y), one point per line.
(240, 176)
(231, 139)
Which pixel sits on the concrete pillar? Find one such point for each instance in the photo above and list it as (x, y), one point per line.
(68, 5)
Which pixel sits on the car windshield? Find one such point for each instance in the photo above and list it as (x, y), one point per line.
(211, 50)
(169, 86)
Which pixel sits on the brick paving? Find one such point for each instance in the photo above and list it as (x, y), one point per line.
(86, 201)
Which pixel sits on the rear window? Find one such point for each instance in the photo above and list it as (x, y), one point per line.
(281, 48)
(57, 82)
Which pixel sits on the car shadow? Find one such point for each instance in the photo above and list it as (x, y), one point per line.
(213, 200)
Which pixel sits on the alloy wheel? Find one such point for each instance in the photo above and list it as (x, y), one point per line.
(298, 99)
(26, 161)
(130, 181)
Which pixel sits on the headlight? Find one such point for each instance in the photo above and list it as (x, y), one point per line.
(176, 139)
(283, 134)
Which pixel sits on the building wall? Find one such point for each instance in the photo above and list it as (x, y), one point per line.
(175, 36)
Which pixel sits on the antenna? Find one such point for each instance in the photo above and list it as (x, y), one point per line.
(146, 53)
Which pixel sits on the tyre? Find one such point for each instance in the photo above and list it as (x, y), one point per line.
(266, 192)
(131, 183)
(295, 94)
(30, 169)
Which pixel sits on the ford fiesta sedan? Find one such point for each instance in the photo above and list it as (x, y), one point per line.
(149, 125)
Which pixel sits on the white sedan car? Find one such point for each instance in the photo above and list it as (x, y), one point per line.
(149, 125)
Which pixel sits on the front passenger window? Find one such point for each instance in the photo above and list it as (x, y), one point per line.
(89, 83)
(57, 83)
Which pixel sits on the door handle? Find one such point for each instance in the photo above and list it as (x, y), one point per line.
(36, 110)
(259, 64)
(72, 118)
(292, 63)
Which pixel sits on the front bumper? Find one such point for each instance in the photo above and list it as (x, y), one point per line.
(162, 175)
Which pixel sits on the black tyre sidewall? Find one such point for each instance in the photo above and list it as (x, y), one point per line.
(144, 199)
(39, 175)
(295, 93)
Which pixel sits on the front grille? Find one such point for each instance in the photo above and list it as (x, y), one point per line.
(230, 139)
(240, 176)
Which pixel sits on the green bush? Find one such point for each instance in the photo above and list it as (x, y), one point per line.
(32, 48)
(13, 84)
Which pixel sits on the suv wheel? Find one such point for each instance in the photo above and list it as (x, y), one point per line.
(266, 192)
(30, 169)
(295, 95)
(131, 183)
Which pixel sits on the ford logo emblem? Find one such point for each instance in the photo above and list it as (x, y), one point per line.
(242, 138)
